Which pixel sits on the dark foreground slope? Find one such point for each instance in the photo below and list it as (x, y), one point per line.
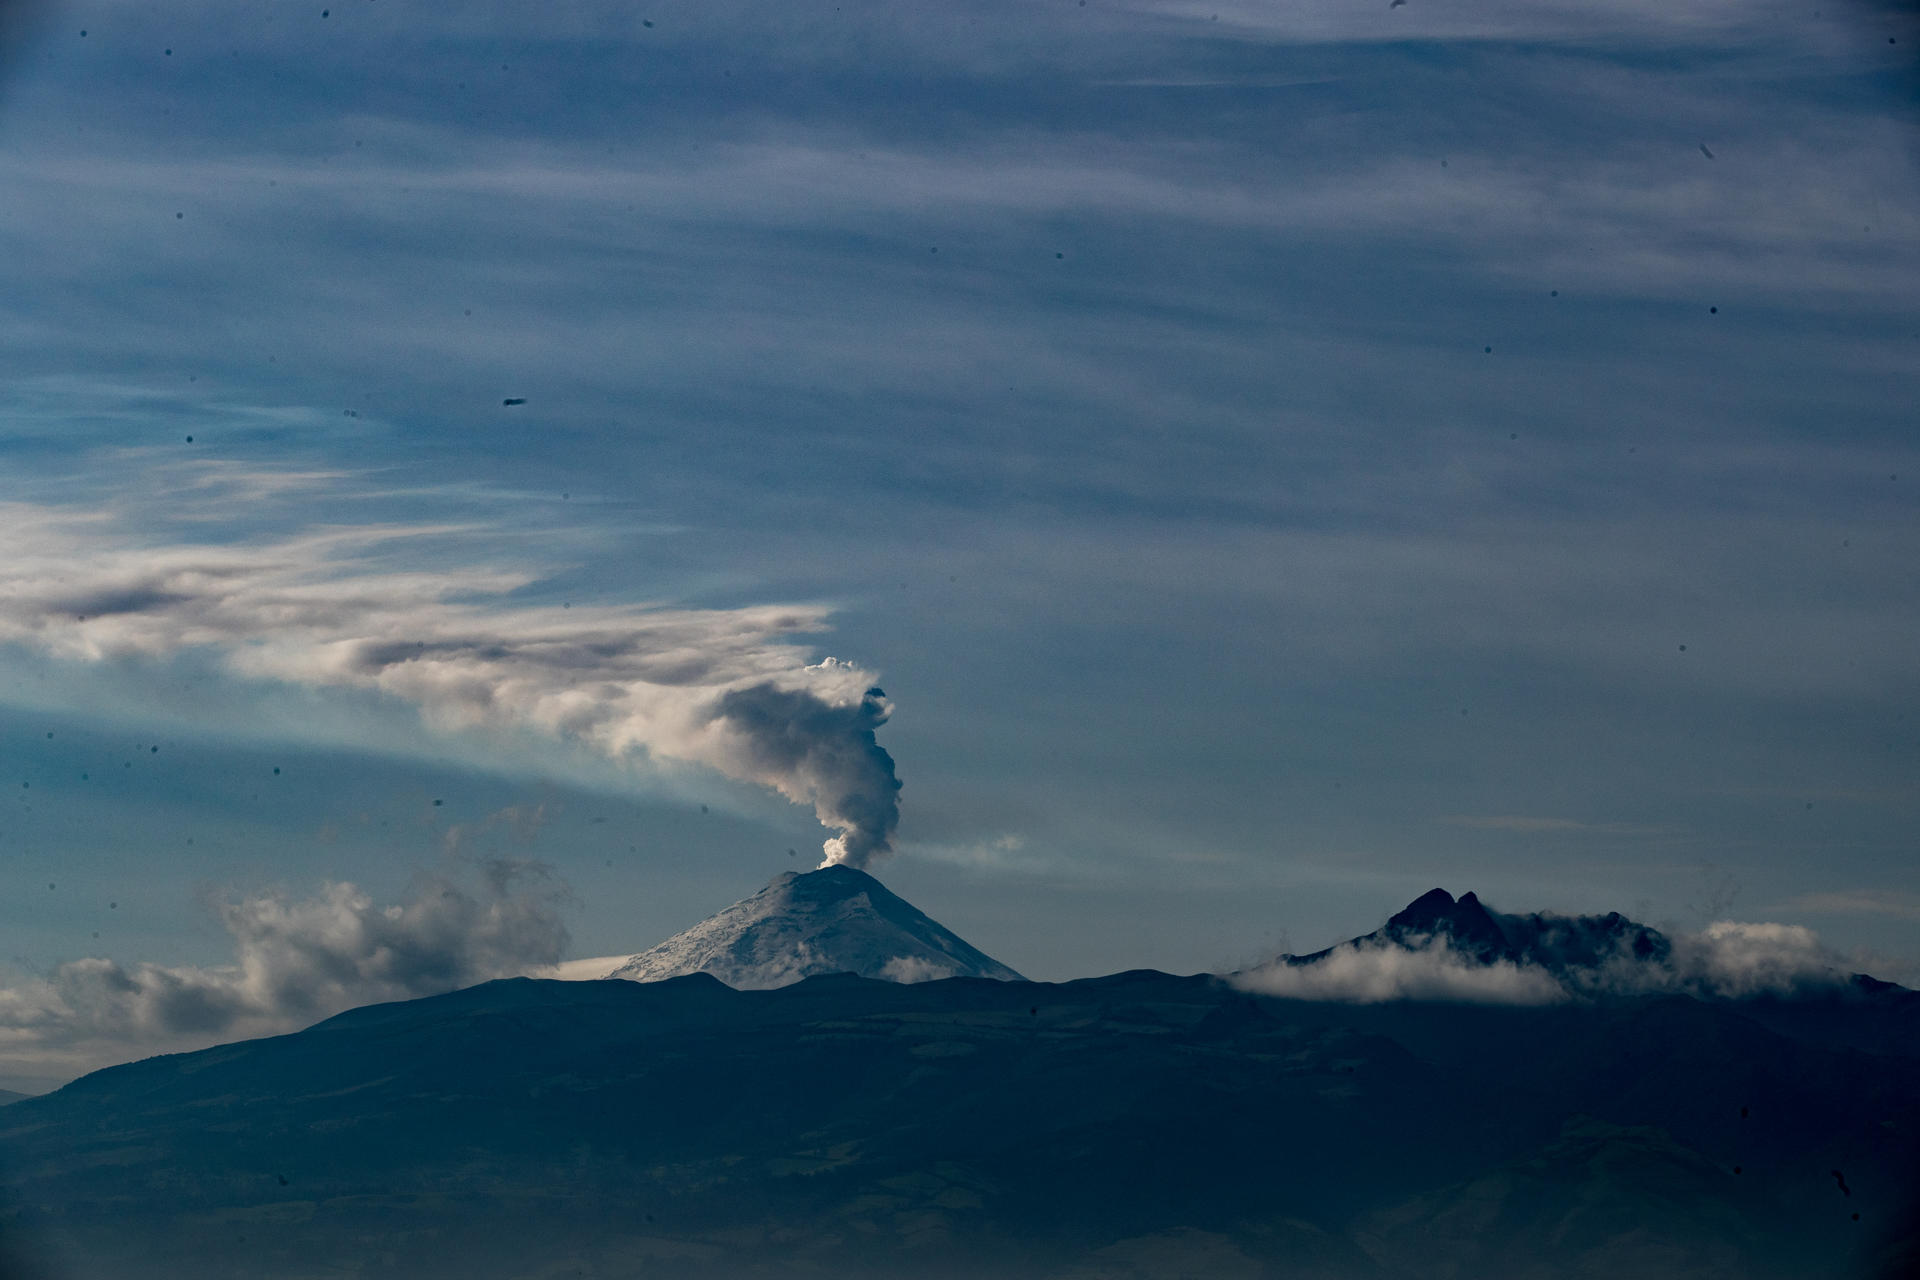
(1137, 1125)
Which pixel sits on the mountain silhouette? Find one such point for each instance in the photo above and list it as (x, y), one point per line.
(1557, 943)
(1130, 1126)
(769, 1111)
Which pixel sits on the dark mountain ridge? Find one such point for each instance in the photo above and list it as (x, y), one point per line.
(1134, 1125)
(1556, 942)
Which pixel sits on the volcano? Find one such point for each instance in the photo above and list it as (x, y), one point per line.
(833, 920)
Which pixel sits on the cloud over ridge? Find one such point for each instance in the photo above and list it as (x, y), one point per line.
(1460, 952)
(295, 961)
(1367, 973)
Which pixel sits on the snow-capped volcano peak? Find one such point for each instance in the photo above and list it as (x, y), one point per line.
(833, 920)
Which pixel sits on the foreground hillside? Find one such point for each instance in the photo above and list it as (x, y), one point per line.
(1136, 1125)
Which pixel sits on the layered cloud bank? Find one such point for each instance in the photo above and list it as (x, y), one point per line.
(296, 960)
(1726, 960)
(1372, 973)
(723, 688)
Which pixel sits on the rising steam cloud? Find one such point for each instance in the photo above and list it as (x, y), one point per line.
(726, 689)
(824, 755)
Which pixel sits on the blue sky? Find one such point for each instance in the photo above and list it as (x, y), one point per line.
(1275, 460)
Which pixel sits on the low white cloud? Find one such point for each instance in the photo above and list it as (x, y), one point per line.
(339, 608)
(1368, 973)
(588, 969)
(296, 960)
(914, 969)
(1736, 960)
(1727, 960)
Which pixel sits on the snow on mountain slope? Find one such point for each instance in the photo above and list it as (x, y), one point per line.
(833, 920)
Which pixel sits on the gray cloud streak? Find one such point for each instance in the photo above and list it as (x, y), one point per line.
(718, 688)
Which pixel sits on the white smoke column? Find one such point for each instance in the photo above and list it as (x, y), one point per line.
(724, 688)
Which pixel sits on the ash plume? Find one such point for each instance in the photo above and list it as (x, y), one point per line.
(815, 752)
(722, 688)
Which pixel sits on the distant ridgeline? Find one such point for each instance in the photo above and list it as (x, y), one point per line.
(1139, 1125)
(1458, 950)
(1559, 943)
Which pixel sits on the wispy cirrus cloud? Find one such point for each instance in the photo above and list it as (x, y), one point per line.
(1521, 824)
(1894, 904)
(1604, 22)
